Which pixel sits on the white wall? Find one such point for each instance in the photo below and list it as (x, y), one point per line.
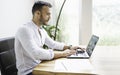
(13, 13)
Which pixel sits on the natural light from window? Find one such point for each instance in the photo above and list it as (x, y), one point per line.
(106, 24)
(69, 21)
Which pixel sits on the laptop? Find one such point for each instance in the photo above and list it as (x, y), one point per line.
(89, 50)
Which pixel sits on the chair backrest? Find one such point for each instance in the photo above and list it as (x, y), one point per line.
(7, 57)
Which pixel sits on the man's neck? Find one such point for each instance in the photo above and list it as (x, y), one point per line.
(36, 22)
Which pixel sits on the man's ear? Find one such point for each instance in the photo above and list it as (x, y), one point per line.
(38, 12)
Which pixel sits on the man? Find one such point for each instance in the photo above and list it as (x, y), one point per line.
(31, 37)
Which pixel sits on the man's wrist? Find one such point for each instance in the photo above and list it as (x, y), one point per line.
(69, 47)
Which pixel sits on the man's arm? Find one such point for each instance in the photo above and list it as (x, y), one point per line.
(67, 47)
(65, 53)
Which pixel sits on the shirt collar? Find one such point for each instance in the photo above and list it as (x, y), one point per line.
(40, 27)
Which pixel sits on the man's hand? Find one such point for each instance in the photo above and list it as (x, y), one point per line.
(76, 47)
(64, 53)
(68, 52)
(73, 47)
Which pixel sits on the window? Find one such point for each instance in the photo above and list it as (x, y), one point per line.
(106, 24)
(69, 20)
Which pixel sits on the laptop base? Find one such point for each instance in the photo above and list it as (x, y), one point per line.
(78, 57)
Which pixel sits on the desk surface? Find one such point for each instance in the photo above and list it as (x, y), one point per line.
(105, 60)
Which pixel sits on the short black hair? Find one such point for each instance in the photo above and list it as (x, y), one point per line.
(39, 4)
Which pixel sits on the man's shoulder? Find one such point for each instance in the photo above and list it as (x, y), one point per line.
(25, 26)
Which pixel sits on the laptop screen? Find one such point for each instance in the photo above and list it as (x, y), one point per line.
(91, 45)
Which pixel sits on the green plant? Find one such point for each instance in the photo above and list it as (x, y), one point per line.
(50, 29)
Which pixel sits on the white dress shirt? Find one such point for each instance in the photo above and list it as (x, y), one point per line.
(29, 47)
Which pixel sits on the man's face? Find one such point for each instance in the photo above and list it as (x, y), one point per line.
(45, 15)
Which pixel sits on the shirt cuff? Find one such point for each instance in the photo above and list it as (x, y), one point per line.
(61, 46)
(51, 54)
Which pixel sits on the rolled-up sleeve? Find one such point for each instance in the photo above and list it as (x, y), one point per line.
(27, 41)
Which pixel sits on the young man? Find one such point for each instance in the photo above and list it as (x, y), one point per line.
(31, 37)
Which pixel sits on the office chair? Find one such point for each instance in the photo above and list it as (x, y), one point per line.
(7, 57)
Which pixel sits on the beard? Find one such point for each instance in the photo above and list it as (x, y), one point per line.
(43, 21)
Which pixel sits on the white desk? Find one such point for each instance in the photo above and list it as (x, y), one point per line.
(105, 60)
